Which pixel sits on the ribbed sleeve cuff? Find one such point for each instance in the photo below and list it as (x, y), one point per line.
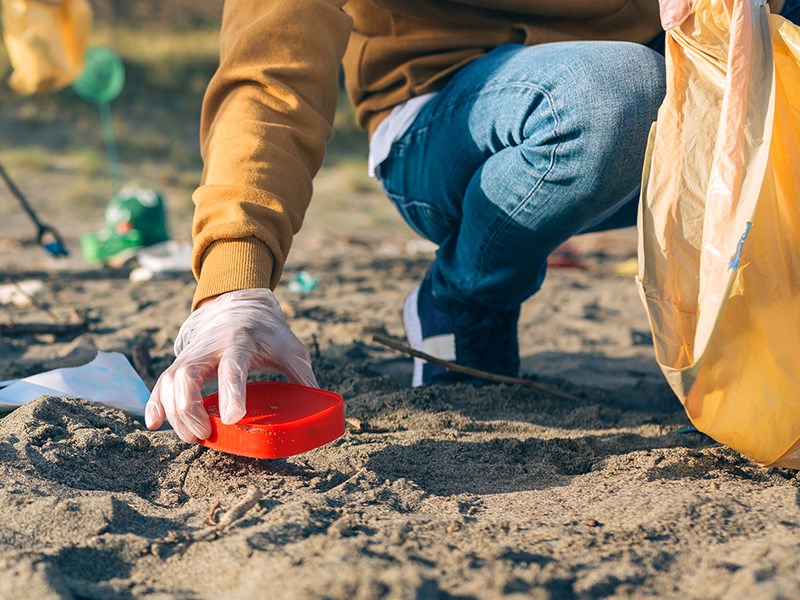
(230, 265)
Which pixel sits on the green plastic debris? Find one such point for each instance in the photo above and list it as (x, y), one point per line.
(304, 283)
(134, 218)
(105, 245)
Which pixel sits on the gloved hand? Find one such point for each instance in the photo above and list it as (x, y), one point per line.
(674, 12)
(229, 335)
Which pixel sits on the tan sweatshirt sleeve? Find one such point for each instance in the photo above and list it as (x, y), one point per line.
(267, 115)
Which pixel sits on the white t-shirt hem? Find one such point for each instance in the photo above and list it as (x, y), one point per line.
(392, 129)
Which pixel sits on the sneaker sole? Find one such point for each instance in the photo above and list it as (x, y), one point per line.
(413, 328)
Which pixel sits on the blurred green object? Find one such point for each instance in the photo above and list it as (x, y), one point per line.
(135, 218)
(304, 283)
(103, 76)
(141, 209)
(105, 245)
(101, 81)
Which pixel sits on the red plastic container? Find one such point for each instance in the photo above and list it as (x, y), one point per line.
(282, 419)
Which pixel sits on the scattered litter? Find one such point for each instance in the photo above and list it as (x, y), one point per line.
(21, 293)
(566, 262)
(109, 380)
(140, 274)
(737, 257)
(166, 257)
(566, 257)
(283, 419)
(135, 218)
(688, 430)
(627, 268)
(303, 283)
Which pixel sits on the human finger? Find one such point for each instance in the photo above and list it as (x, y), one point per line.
(153, 411)
(295, 362)
(189, 403)
(170, 408)
(232, 381)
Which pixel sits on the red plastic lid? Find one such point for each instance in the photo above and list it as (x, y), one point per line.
(282, 419)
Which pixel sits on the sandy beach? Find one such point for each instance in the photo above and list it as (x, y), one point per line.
(456, 492)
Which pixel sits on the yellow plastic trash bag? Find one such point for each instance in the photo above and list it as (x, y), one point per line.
(719, 227)
(46, 40)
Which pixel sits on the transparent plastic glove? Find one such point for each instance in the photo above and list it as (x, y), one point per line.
(674, 12)
(228, 336)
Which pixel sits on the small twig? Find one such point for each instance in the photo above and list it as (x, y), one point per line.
(210, 521)
(233, 514)
(238, 510)
(184, 540)
(395, 345)
(10, 328)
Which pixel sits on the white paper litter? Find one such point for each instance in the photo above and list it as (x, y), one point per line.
(21, 292)
(109, 379)
(169, 256)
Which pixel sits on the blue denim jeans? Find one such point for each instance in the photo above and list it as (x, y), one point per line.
(791, 11)
(521, 150)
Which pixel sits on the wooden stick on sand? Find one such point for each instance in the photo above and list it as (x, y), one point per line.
(11, 328)
(450, 366)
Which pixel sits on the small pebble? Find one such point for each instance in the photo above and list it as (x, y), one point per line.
(591, 523)
(453, 527)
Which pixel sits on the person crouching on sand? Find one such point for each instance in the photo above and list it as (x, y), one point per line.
(496, 128)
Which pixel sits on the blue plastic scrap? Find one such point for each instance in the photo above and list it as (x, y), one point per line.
(738, 255)
(304, 282)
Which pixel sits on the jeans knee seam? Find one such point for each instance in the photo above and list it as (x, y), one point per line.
(441, 110)
(510, 216)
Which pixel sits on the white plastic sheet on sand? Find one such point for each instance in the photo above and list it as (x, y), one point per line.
(109, 379)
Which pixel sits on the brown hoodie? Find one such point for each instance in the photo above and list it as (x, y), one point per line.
(268, 110)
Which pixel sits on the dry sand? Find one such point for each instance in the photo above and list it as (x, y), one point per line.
(453, 492)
